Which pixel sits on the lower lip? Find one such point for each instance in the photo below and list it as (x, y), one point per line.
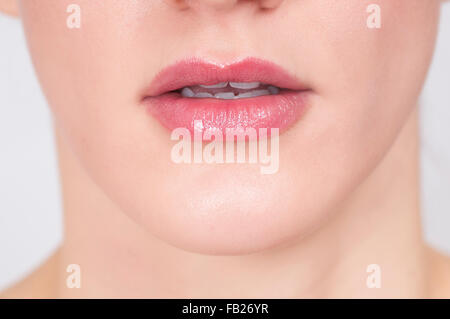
(279, 111)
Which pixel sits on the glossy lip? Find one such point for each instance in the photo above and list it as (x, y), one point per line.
(272, 111)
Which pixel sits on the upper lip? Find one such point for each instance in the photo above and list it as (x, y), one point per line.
(196, 71)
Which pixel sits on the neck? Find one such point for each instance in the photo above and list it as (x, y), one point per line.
(378, 224)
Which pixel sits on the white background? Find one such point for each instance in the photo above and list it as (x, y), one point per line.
(30, 208)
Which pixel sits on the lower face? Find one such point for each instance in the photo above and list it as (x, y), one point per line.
(118, 86)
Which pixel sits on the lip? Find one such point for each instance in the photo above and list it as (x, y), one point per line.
(264, 112)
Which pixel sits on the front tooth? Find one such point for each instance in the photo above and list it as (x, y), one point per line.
(245, 85)
(215, 86)
(273, 89)
(187, 92)
(203, 95)
(225, 95)
(255, 93)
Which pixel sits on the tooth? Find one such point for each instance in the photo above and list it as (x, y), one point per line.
(253, 94)
(187, 92)
(225, 95)
(203, 95)
(273, 89)
(215, 86)
(245, 85)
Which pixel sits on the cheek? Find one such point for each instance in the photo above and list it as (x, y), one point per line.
(368, 80)
(89, 76)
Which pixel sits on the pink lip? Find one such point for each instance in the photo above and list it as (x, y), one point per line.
(272, 111)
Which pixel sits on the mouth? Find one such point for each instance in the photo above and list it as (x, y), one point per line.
(249, 94)
(229, 90)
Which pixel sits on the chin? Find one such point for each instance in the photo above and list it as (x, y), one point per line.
(229, 211)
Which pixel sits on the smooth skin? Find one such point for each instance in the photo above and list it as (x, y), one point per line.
(347, 192)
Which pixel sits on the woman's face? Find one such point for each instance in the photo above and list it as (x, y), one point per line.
(362, 84)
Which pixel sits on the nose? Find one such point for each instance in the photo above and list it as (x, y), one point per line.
(222, 4)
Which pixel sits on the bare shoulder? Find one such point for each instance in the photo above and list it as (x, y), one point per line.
(439, 274)
(38, 285)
